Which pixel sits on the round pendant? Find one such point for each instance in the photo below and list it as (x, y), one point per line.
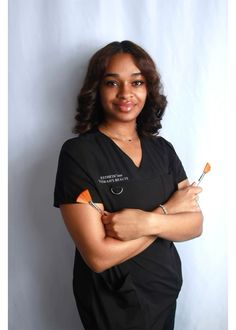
(116, 190)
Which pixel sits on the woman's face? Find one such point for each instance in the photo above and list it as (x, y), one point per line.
(123, 90)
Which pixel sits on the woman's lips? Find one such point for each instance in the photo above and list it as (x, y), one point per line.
(125, 107)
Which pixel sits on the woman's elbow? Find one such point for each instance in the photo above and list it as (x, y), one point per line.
(96, 267)
(199, 225)
(96, 264)
(95, 257)
(198, 231)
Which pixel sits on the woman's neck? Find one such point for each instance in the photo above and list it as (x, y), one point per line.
(122, 131)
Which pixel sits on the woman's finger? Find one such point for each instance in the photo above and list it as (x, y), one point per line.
(110, 233)
(105, 220)
(108, 227)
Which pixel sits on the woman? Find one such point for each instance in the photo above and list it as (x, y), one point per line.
(127, 272)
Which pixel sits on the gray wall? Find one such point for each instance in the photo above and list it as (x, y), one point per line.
(50, 43)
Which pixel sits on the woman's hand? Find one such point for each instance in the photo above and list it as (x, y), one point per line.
(125, 225)
(184, 200)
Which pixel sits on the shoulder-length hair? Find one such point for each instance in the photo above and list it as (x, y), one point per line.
(89, 109)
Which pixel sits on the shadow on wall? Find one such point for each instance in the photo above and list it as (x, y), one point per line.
(40, 256)
(41, 252)
(55, 251)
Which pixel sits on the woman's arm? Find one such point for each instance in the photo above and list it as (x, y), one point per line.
(175, 227)
(184, 199)
(183, 221)
(130, 224)
(99, 251)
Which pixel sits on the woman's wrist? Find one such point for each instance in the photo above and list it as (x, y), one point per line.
(163, 208)
(159, 209)
(153, 222)
(145, 223)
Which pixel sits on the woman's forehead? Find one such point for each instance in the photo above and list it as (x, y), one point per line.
(122, 63)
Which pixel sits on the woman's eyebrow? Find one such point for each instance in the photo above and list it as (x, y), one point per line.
(110, 74)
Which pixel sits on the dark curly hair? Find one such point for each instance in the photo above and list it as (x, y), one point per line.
(89, 110)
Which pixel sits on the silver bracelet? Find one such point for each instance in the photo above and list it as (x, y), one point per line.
(163, 209)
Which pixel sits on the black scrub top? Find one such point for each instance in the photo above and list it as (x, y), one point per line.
(135, 293)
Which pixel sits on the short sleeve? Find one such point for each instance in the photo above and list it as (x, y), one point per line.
(72, 177)
(176, 166)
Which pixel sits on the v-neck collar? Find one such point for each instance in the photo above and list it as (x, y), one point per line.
(124, 153)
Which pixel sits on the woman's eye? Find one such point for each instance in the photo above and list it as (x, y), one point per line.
(137, 83)
(111, 83)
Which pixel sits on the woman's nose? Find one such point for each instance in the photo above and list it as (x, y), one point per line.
(125, 91)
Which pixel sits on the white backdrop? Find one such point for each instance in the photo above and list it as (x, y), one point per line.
(50, 43)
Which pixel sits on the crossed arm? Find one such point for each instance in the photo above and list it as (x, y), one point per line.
(116, 237)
